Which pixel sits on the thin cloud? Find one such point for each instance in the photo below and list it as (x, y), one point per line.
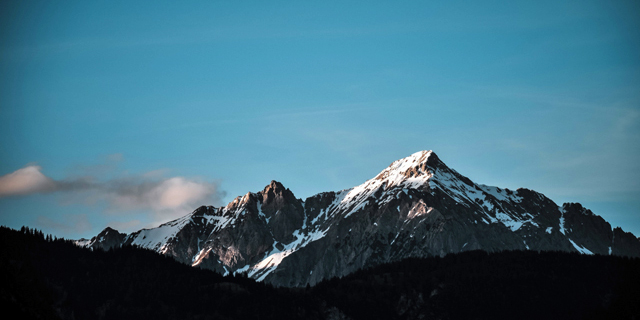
(126, 226)
(75, 223)
(627, 124)
(115, 157)
(166, 197)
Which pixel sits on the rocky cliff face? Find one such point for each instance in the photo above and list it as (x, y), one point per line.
(417, 207)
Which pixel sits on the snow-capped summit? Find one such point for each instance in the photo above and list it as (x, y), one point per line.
(414, 166)
(416, 207)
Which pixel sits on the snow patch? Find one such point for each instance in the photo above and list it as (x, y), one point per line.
(197, 259)
(83, 243)
(581, 249)
(355, 199)
(263, 268)
(500, 194)
(241, 270)
(158, 239)
(514, 223)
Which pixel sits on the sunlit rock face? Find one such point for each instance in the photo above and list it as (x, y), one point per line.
(417, 207)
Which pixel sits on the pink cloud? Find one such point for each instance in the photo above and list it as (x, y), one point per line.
(165, 198)
(165, 194)
(162, 198)
(25, 181)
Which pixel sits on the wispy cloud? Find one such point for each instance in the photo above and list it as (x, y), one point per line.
(115, 157)
(299, 113)
(74, 223)
(274, 114)
(165, 197)
(627, 124)
(126, 226)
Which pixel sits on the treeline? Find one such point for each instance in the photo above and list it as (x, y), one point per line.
(48, 278)
(481, 285)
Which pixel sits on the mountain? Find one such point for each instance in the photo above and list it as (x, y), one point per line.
(106, 239)
(417, 207)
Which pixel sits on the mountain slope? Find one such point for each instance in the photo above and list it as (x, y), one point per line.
(417, 207)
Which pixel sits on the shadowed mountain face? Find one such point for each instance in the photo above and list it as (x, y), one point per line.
(417, 207)
(105, 240)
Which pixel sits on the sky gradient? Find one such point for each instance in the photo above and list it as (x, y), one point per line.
(132, 114)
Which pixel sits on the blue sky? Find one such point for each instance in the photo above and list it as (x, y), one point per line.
(113, 110)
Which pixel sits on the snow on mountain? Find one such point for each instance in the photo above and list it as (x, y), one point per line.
(416, 207)
(157, 239)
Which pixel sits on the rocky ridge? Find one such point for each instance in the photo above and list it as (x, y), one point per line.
(417, 207)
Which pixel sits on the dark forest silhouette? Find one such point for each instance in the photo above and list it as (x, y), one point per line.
(48, 278)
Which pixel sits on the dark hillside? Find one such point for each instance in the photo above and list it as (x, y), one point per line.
(481, 285)
(44, 278)
(56, 279)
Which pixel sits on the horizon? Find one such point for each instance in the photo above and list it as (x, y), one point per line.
(131, 115)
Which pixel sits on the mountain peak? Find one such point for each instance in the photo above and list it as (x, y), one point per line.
(275, 190)
(417, 157)
(274, 186)
(105, 240)
(107, 230)
(414, 166)
(422, 154)
(576, 208)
